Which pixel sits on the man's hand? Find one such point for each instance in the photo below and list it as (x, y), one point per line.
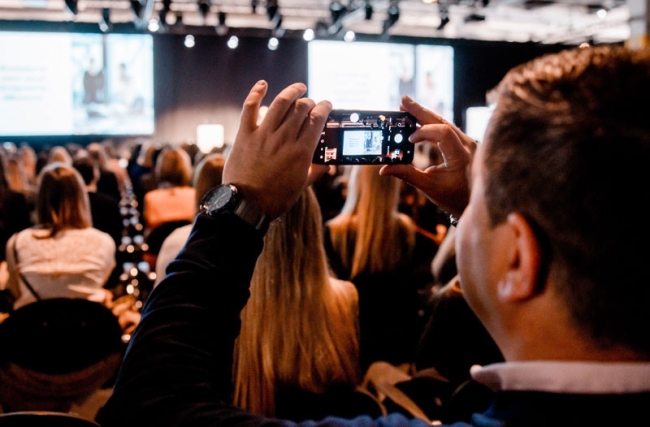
(270, 163)
(445, 184)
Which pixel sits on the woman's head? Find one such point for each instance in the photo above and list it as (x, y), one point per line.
(208, 174)
(174, 167)
(62, 200)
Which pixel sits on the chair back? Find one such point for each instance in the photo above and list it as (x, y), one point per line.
(57, 352)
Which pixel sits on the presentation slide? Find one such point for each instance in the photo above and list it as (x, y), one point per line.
(76, 84)
(375, 76)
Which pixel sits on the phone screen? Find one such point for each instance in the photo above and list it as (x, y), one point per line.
(366, 137)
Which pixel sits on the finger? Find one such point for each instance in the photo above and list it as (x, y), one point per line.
(297, 117)
(422, 114)
(315, 123)
(408, 173)
(281, 105)
(248, 121)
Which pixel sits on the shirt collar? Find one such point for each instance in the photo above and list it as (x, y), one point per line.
(565, 377)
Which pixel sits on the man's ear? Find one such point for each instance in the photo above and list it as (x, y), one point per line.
(521, 278)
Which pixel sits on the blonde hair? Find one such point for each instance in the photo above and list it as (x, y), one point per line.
(62, 200)
(207, 174)
(299, 328)
(174, 166)
(370, 233)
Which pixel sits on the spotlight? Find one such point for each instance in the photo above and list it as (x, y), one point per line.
(105, 23)
(136, 8)
(271, 9)
(204, 8)
(233, 42)
(350, 36)
(222, 28)
(189, 41)
(444, 19)
(254, 4)
(368, 11)
(278, 31)
(393, 13)
(72, 6)
(308, 35)
(391, 18)
(273, 43)
(153, 26)
(337, 10)
(164, 12)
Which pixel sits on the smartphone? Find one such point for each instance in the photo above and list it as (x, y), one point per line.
(352, 137)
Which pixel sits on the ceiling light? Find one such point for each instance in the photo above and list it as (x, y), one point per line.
(233, 42)
(368, 11)
(189, 41)
(105, 24)
(221, 28)
(204, 8)
(154, 25)
(444, 18)
(308, 35)
(72, 6)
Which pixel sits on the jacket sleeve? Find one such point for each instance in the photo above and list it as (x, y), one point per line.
(177, 367)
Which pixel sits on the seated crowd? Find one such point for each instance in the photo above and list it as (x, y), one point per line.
(268, 306)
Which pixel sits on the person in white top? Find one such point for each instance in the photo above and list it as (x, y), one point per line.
(62, 255)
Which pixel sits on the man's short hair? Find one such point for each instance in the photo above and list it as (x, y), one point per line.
(568, 146)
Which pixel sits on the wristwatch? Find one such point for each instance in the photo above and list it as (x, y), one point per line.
(227, 198)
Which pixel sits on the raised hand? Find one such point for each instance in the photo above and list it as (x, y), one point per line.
(270, 162)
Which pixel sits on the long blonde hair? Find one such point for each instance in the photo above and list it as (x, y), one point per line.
(370, 234)
(299, 328)
(62, 199)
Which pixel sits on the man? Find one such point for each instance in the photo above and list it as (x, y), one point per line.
(551, 249)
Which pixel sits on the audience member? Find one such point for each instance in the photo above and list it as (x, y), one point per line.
(173, 200)
(381, 251)
(207, 174)
(544, 259)
(18, 181)
(62, 255)
(104, 211)
(306, 321)
(14, 210)
(28, 158)
(107, 183)
(59, 154)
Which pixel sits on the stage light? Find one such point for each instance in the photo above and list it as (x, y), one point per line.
(444, 19)
(337, 11)
(72, 6)
(254, 4)
(391, 18)
(368, 11)
(233, 42)
(136, 8)
(308, 35)
(204, 8)
(222, 28)
(164, 12)
(153, 26)
(105, 24)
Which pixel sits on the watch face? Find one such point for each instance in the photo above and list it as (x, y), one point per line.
(219, 198)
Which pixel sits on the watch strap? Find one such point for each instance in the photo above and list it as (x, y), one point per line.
(246, 211)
